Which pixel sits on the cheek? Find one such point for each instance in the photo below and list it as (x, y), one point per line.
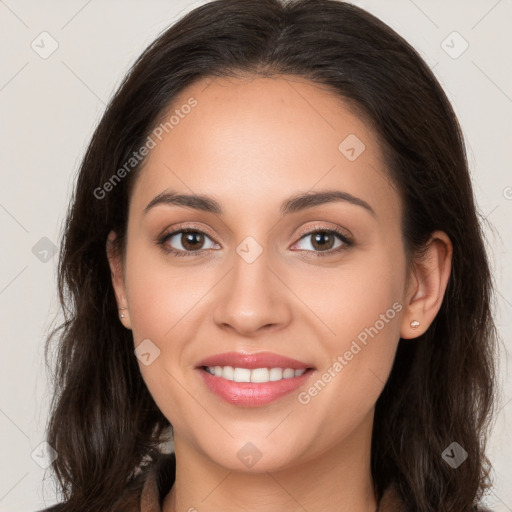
(165, 308)
(363, 314)
(160, 293)
(372, 314)
(357, 295)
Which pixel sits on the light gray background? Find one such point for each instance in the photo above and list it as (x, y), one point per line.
(49, 108)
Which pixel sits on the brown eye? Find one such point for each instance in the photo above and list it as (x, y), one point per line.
(191, 240)
(323, 241)
(185, 241)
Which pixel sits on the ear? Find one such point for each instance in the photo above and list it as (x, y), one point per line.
(427, 285)
(115, 261)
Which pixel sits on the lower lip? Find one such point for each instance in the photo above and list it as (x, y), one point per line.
(252, 394)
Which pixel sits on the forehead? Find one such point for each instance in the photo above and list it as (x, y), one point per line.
(263, 139)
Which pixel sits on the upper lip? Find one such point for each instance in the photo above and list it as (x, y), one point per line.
(251, 361)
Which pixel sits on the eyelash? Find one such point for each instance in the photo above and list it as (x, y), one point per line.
(347, 242)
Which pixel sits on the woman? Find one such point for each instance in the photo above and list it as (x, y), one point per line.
(273, 251)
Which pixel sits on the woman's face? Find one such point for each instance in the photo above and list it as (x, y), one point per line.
(267, 279)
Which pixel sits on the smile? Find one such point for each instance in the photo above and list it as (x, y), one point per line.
(255, 387)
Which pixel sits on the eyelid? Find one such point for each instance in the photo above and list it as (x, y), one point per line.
(190, 227)
(317, 227)
(167, 233)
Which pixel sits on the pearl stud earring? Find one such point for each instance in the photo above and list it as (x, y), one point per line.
(415, 324)
(122, 315)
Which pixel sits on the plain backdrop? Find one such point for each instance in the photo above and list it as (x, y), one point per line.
(50, 105)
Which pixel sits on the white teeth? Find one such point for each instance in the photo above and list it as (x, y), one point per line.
(242, 375)
(275, 374)
(227, 372)
(288, 373)
(257, 375)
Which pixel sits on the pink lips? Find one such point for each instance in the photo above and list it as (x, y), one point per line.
(251, 394)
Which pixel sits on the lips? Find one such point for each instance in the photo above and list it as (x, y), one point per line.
(252, 394)
(252, 361)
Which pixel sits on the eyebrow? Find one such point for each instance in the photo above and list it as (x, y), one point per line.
(293, 204)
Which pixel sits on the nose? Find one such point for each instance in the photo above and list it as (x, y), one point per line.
(252, 298)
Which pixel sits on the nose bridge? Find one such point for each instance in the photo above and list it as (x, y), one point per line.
(251, 266)
(251, 279)
(252, 296)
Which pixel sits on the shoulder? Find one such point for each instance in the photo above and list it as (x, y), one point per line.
(145, 491)
(391, 501)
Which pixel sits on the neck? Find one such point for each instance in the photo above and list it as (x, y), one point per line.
(339, 478)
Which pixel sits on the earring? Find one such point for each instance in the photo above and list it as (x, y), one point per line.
(122, 315)
(415, 324)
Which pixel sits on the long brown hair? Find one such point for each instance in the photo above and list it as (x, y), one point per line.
(103, 420)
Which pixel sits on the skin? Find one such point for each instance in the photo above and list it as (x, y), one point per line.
(251, 143)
